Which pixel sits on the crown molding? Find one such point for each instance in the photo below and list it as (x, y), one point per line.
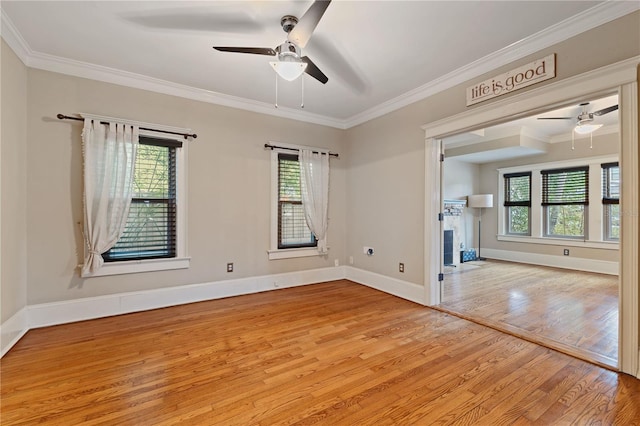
(138, 81)
(14, 39)
(591, 18)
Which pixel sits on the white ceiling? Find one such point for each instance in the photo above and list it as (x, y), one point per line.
(536, 127)
(378, 55)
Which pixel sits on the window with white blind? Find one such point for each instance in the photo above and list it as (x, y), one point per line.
(517, 203)
(611, 201)
(565, 200)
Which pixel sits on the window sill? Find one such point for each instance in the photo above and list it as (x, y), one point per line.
(605, 245)
(136, 266)
(292, 253)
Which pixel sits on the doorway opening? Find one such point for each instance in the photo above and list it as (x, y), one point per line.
(531, 228)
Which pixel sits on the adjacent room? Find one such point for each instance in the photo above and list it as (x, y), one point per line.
(334, 212)
(551, 185)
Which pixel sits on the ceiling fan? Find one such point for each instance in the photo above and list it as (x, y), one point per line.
(584, 123)
(290, 64)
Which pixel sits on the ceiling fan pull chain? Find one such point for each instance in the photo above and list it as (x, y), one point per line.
(591, 134)
(276, 90)
(302, 80)
(573, 134)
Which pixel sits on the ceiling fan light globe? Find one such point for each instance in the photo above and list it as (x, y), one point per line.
(289, 70)
(585, 129)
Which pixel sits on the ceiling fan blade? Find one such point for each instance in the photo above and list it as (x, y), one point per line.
(556, 118)
(198, 20)
(301, 33)
(314, 71)
(253, 50)
(606, 110)
(324, 50)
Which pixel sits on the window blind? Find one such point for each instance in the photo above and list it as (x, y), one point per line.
(293, 231)
(517, 189)
(610, 183)
(150, 231)
(568, 186)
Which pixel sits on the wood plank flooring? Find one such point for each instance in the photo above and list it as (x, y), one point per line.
(336, 353)
(572, 311)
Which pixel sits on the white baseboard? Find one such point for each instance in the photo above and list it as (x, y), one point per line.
(404, 289)
(566, 262)
(54, 313)
(46, 314)
(13, 329)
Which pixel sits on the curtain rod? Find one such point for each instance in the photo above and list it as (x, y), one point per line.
(185, 135)
(272, 147)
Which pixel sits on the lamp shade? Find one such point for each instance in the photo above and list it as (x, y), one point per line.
(480, 200)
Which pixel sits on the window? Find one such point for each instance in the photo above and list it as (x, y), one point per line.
(565, 197)
(150, 232)
(293, 231)
(517, 202)
(611, 201)
(155, 226)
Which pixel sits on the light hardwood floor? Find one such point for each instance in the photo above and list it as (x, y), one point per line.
(335, 353)
(572, 311)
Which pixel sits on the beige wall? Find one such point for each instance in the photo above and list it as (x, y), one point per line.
(228, 187)
(13, 225)
(387, 154)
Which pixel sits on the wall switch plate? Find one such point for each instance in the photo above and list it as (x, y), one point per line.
(336, 262)
(401, 267)
(350, 260)
(566, 252)
(230, 267)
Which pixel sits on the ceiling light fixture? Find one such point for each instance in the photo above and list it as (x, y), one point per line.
(586, 128)
(289, 65)
(289, 68)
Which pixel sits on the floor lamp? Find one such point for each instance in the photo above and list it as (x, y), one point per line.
(481, 201)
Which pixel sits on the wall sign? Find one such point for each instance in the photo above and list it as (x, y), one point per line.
(526, 75)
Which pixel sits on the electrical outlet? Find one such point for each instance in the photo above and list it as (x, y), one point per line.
(566, 252)
(230, 267)
(401, 267)
(350, 260)
(336, 262)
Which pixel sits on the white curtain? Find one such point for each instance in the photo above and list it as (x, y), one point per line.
(314, 184)
(109, 160)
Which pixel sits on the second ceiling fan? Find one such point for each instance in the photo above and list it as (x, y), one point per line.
(290, 64)
(584, 120)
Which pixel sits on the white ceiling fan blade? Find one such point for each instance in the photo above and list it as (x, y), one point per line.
(301, 33)
(198, 20)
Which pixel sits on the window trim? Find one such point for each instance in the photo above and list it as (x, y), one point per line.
(182, 260)
(274, 253)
